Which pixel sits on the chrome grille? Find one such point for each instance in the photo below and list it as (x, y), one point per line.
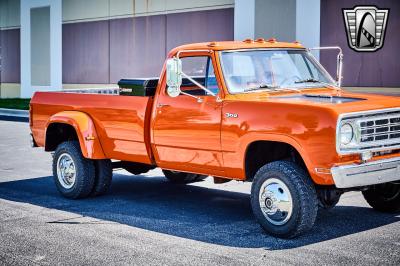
(380, 128)
(374, 130)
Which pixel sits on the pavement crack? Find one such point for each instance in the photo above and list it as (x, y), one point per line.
(71, 221)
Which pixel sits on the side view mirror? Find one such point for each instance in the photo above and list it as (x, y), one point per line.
(174, 76)
(339, 62)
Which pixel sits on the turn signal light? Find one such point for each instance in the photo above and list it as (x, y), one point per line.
(325, 171)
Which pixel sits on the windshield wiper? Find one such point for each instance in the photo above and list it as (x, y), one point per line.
(261, 87)
(270, 88)
(312, 80)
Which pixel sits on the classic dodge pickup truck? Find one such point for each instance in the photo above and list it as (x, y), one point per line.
(260, 110)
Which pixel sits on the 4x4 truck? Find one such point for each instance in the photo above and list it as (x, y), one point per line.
(259, 110)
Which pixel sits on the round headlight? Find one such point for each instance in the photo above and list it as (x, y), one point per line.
(346, 134)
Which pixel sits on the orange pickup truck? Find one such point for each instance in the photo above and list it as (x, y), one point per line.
(259, 110)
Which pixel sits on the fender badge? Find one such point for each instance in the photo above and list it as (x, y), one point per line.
(89, 138)
(231, 115)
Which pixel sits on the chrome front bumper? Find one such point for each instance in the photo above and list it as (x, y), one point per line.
(358, 175)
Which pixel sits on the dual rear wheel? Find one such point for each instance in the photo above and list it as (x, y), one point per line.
(78, 177)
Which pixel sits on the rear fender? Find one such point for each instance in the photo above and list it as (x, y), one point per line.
(85, 130)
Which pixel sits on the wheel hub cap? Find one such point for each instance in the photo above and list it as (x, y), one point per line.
(275, 201)
(66, 171)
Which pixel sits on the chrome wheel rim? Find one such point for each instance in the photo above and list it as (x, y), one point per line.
(276, 201)
(66, 171)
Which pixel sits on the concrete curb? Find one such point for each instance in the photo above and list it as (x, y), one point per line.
(14, 113)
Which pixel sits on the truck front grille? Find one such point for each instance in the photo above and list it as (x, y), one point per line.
(382, 129)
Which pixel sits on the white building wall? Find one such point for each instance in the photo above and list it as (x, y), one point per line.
(78, 10)
(275, 19)
(308, 16)
(244, 23)
(9, 14)
(27, 88)
(87, 10)
(285, 20)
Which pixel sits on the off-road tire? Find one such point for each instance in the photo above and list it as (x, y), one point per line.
(85, 171)
(304, 198)
(384, 197)
(182, 178)
(103, 172)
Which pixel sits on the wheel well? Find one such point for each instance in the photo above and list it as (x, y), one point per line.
(57, 133)
(260, 153)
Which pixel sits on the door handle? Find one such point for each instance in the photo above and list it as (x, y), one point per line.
(160, 105)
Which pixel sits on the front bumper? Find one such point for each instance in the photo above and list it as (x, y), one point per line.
(372, 173)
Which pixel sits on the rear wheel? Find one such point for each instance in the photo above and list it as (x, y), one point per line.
(384, 197)
(283, 199)
(73, 174)
(182, 178)
(104, 172)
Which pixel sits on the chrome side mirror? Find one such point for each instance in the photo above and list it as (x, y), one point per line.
(174, 76)
(339, 62)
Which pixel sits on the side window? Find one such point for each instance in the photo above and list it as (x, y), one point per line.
(195, 66)
(199, 68)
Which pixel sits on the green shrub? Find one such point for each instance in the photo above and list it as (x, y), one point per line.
(15, 103)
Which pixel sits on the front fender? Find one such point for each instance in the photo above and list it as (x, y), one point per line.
(85, 130)
(322, 179)
(255, 136)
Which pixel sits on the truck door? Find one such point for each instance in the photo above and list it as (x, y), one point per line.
(186, 132)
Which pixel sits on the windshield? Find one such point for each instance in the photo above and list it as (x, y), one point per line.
(272, 70)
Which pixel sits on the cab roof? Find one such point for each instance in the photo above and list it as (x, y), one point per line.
(233, 45)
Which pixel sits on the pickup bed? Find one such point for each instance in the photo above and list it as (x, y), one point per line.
(260, 111)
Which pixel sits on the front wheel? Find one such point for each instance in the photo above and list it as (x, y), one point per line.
(283, 199)
(182, 177)
(384, 197)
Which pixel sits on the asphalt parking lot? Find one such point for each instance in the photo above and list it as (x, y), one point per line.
(144, 220)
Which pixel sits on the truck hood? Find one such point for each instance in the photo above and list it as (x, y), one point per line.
(338, 101)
